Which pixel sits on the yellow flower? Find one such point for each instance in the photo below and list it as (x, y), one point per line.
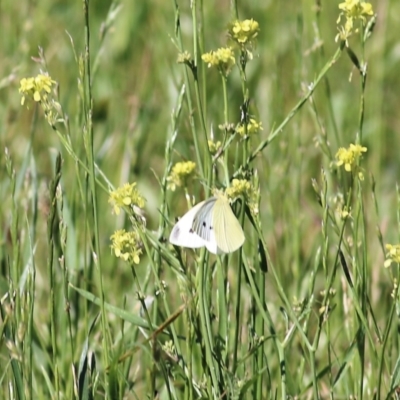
(244, 31)
(356, 9)
(26, 87)
(238, 188)
(126, 196)
(126, 245)
(345, 32)
(252, 127)
(392, 255)
(169, 347)
(223, 59)
(344, 213)
(214, 147)
(242, 187)
(352, 10)
(350, 157)
(181, 171)
(36, 88)
(184, 57)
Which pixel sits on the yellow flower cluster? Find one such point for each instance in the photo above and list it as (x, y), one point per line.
(244, 31)
(342, 211)
(126, 196)
(356, 9)
(392, 255)
(184, 58)
(169, 347)
(238, 188)
(127, 245)
(36, 88)
(39, 88)
(352, 10)
(252, 127)
(242, 187)
(350, 157)
(214, 146)
(223, 59)
(179, 174)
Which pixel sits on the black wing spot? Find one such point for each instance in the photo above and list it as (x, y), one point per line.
(204, 224)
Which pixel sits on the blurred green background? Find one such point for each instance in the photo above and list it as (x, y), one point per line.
(137, 79)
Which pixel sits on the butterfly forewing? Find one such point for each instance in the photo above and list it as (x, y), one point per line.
(182, 233)
(203, 220)
(228, 232)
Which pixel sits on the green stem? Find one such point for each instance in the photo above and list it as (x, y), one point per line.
(314, 374)
(188, 93)
(264, 312)
(50, 264)
(226, 121)
(260, 330)
(88, 139)
(386, 338)
(223, 316)
(206, 325)
(294, 110)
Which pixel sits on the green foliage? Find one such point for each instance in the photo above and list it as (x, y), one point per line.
(168, 101)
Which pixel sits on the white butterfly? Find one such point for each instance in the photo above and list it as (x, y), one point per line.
(210, 223)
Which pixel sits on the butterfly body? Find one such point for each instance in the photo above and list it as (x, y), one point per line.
(210, 223)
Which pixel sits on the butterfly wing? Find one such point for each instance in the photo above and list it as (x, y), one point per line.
(227, 229)
(210, 223)
(202, 222)
(203, 225)
(182, 233)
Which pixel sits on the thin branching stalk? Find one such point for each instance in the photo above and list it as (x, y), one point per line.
(296, 108)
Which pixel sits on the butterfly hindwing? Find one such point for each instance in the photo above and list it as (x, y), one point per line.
(227, 229)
